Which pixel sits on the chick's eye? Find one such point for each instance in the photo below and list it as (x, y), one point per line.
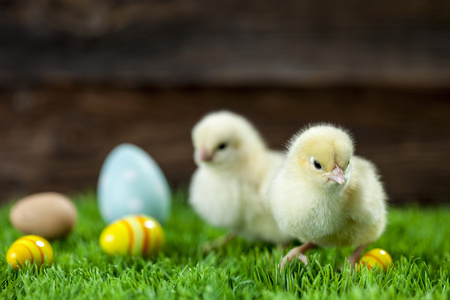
(317, 165)
(222, 146)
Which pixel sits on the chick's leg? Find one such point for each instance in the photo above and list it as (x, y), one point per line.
(298, 252)
(353, 258)
(217, 243)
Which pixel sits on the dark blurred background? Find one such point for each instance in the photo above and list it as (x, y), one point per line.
(78, 77)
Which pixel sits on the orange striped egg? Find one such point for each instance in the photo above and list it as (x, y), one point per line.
(377, 257)
(32, 248)
(133, 235)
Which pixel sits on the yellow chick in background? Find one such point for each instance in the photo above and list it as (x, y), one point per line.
(326, 196)
(234, 170)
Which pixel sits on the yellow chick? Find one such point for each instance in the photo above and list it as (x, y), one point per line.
(234, 170)
(326, 196)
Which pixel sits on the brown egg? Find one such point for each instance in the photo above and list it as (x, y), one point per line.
(51, 215)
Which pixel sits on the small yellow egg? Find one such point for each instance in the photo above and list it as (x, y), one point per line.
(378, 257)
(32, 248)
(133, 235)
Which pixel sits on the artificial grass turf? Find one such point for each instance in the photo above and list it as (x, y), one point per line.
(417, 238)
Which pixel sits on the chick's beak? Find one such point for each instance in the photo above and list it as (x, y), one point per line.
(203, 155)
(337, 175)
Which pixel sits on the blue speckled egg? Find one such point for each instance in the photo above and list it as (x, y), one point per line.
(132, 183)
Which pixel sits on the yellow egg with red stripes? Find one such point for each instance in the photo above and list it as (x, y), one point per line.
(32, 248)
(376, 257)
(133, 235)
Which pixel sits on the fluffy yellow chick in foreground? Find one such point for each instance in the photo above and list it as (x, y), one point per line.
(234, 170)
(326, 196)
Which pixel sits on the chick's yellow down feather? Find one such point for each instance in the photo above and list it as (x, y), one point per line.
(324, 195)
(234, 170)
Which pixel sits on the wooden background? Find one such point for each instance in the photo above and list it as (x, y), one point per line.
(57, 139)
(79, 77)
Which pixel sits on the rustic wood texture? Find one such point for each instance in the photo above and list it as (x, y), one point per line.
(226, 43)
(57, 138)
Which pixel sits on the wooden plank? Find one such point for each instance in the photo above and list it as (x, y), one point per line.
(57, 138)
(226, 43)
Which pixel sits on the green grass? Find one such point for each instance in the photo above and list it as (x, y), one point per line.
(417, 238)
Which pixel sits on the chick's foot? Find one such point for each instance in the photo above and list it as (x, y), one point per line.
(354, 257)
(298, 252)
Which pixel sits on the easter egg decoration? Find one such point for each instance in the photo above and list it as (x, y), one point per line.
(50, 215)
(32, 248)
(133, 235)
(131, 182)
(375, 257)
